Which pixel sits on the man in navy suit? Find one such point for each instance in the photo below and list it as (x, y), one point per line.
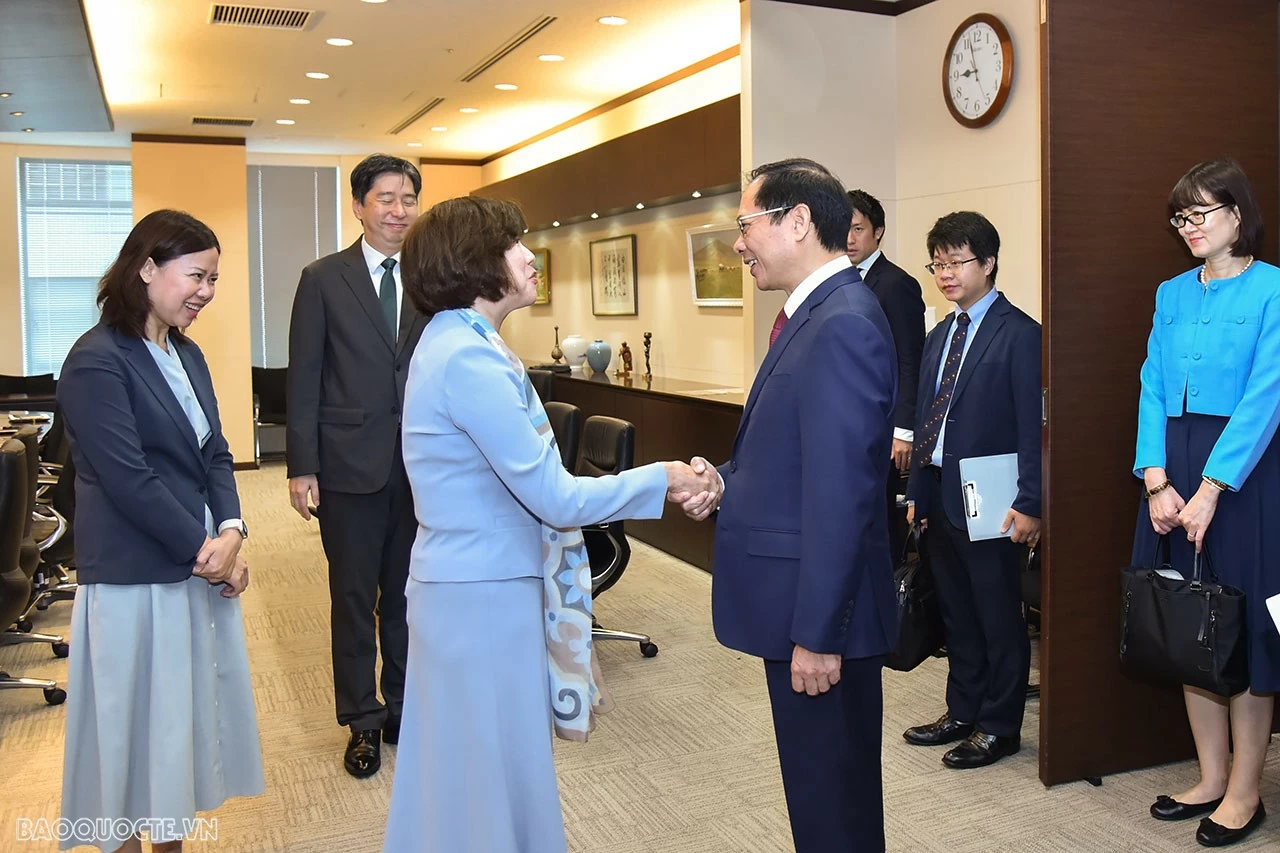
(979, 396)
(802, 575)
(899, 295)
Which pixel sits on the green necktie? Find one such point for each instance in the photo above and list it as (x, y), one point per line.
(387, 297)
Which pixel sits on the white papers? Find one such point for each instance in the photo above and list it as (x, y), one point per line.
(1273, 605)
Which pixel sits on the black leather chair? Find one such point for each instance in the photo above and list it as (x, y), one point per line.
(36, 385)
(566, 426)
(15, 585)
(34, 523)
(270, 405)
(608, 447)
(58, 557)
(542, 381)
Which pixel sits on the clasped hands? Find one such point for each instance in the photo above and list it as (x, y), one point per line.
(696, 486)
(219, 562)
(1169, 510)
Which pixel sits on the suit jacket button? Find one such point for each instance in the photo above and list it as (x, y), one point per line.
(733, 466)
(395, 410)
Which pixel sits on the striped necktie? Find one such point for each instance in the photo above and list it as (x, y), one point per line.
(778, 323)
(927, 438)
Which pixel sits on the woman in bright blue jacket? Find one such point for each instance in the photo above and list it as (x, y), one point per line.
(1207, 416)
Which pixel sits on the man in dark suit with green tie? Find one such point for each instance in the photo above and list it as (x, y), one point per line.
(350, 341)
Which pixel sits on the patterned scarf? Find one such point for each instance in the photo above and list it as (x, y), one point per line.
(577, 686)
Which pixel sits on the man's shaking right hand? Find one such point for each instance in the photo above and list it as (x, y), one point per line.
(699, 494)
(304, 493)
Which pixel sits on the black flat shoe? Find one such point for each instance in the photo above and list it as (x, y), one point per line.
(980, 750)
(945, 730)
(364, 753)
(1212, 834)
(391, 731)
(1167, 808)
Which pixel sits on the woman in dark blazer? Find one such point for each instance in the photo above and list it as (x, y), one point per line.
(160, 717)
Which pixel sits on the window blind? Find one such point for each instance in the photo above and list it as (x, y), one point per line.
(73, 217)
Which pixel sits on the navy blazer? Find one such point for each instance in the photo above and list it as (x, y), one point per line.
(995, 407)
(900, 296)
(802, 539)
(142, 481)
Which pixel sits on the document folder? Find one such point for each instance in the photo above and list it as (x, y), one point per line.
(989, 485)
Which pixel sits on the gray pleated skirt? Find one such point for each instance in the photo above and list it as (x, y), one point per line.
(160, 716)
(474, 767)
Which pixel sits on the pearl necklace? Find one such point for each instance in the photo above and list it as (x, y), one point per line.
(1204, 272)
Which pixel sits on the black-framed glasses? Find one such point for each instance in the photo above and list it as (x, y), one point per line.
(1195, 217)
(743, 221)
(947, 266)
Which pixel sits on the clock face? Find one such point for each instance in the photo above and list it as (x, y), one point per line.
(975, 75)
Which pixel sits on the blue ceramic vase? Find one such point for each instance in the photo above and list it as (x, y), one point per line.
(598, 356)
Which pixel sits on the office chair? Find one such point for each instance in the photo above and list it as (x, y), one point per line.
(566, 426)
(541, 381)
(270, 403)
(36, 385)
(15, 584)
(52, 582)
(36, 522)
(608, 447)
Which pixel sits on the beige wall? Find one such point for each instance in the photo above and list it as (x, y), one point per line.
(209, 182)
(10, 269)
(700, 344)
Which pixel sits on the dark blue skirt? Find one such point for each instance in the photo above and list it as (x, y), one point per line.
(1243, 539)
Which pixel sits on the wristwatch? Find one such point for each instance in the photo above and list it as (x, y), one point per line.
(243, 529)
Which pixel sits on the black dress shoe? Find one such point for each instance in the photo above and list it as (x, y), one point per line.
(945, 730)
(1212, 834)
(981, 749)
(391, 731)
(364, 753)
(1167, 808)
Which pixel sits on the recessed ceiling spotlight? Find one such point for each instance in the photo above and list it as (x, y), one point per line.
(300, 101)
(339, 42)
(439, 129)
(551, 57)
(697, 194)
(555, 223)
(410, 144)
(507, 87)
(595, 215)
(284, 121)
(6, 94)
(613, 21)
(526, 230)
(468, 110)
(639, 205)
(317, 75)
(16, 113)
(28, 130)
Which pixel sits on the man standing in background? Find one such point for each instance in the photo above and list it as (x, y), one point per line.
(900, 297)
(350, 341)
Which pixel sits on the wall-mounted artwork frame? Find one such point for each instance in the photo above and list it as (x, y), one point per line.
(614, 280)
(542, 263)
(715, 269)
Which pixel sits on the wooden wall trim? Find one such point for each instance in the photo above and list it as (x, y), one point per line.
(448, 161)
(874, 7)
(675, 77)
(181, 139)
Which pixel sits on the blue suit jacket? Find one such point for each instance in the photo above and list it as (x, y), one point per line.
(142, 481)
(802, 540)
(483, 478)
(995, 408)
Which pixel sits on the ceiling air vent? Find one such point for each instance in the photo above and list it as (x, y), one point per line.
(513, 43)
(222, 121)
(426, 108)
(226, 14)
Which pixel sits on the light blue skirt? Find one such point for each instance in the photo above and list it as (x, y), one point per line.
(474, 769)
(160, 717)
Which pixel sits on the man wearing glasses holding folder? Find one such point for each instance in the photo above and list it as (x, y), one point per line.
(979, 397)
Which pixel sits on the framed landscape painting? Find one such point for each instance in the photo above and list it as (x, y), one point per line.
(715, 269)
(542, 263)
(613, 276)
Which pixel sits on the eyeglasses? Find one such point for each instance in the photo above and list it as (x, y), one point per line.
(743, 220)
(938, 266)
(1195, 217)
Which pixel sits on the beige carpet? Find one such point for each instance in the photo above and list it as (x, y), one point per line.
(686, 764)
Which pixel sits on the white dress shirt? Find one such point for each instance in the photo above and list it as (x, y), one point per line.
(373, 262)
(812, 281)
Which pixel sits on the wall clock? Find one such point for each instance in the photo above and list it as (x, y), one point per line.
(977, 70)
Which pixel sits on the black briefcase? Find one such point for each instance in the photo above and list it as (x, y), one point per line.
(919, 620)
(1179, 631)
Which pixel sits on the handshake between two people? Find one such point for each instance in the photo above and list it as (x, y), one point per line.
(696, 486)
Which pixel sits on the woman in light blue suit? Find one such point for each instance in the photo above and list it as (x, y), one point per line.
(499, 589)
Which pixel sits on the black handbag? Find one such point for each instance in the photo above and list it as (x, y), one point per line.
(1178, 631)
(919, 620)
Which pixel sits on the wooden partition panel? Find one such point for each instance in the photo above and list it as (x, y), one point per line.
(1134, 93)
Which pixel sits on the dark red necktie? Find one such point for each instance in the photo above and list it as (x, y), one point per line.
(927, 438)
(777, 326)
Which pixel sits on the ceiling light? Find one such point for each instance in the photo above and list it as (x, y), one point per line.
(375, 1)
(410, 144)
(468, 110)
(507, 87)
(526, 230)
(6, 94)
(613, 21)
(595, 215)
(339, 42)
(317, 75)
(697, 194)
(300, 101)
(555, 223)
(28, 130)
(551, 57)
(284, 121)
(439, 129)
(639, 205)
(17, 113)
